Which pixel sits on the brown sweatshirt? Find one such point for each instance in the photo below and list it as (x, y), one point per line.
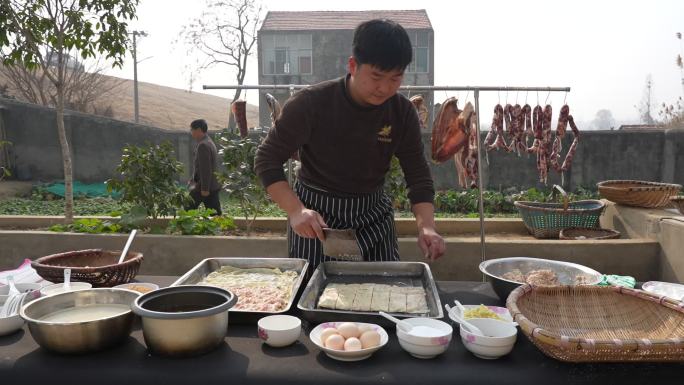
(345, 148)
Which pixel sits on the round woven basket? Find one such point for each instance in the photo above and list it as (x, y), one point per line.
(546, 220)
(99, 267)
(574, 233)
(638, 193)
(678, 203)
(599, 324)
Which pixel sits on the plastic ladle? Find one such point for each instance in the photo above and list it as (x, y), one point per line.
(128, 245)
(403, 325)
(472, 328)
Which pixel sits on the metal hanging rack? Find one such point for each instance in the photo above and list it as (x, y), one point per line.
(476, 95)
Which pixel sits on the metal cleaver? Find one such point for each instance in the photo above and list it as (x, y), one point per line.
(341, 244)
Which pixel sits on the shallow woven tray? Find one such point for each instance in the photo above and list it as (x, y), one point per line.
(575, 233)
(678, 203)
(638, 193)
(99, 267)
(599, 324)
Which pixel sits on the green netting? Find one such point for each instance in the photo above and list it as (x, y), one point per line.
(83, 190)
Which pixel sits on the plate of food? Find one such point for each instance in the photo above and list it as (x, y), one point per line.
(349, 341)
(486, 311)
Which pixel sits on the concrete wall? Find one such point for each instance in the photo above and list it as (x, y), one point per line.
(97, 142)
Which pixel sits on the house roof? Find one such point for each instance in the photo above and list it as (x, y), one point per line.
(341, 20)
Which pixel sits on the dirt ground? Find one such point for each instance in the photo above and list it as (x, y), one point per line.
(12, 188)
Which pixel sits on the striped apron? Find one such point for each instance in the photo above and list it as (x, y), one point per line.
(371, 215)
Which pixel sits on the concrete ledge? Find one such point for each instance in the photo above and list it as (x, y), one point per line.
(666, 226)
(405, 226)
(174, 255)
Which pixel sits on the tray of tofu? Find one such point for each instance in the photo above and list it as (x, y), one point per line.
(357, 291)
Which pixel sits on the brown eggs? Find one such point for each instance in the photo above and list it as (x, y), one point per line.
(349, 336)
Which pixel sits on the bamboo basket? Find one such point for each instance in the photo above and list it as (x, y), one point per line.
(574, 233)
(600, 324)
(546, 220)
(638, 193)
(99, 267)
(678, 203)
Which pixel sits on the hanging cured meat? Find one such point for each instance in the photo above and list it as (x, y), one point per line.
(274, 107)
(239, 109)
(455, 134)
(419, 103)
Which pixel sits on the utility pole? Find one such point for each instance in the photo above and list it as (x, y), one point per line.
(135, 34)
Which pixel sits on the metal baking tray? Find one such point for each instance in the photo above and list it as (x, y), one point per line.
(391, 273)
(209, 265)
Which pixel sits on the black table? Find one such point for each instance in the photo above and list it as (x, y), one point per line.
(244, 359)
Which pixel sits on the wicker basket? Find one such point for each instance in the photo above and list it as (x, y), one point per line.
(678, 203)
(574, 233)
(99, 267)
(546, 220)
(638, 193)
(599, 324)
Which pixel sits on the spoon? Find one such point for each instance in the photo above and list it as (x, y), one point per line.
(128, 245)
(460, 306)
(403, 325)
(471, 328)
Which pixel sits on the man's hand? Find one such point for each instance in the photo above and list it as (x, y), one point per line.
(431, 243)
(205, 193)
(308, 224)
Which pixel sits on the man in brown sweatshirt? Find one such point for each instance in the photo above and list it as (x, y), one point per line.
(346, 131)
(205, 187)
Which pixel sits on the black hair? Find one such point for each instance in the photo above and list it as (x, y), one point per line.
(382, 43)
(199, 124)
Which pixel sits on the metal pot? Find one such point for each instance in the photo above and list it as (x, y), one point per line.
(566, 271)
(80, 337)
(184, 320)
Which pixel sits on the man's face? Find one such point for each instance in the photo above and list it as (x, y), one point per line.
(371, 86)
(196, 133)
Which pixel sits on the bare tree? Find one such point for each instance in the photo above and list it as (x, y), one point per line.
(225, 34)
(646, 106)
(85, 89)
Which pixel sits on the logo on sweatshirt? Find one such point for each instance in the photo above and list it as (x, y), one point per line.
(384, 134)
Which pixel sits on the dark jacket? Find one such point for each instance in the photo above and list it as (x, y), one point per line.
(205, 165)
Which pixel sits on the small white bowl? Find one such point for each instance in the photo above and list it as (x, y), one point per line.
(58, 288)
(343, 355)
(11, 324)
(140, 287)
(426, 347)
(279, 330)
(499, 340)
(32, 288)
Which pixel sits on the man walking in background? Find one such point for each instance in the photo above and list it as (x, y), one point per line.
(204, 187)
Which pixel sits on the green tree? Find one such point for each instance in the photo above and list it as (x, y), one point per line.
(31, 28)
(148, 179)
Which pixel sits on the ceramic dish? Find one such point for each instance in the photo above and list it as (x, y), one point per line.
(667, 289)
(342, 355)
(500, 311)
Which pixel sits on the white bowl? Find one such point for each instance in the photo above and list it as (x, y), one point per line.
(58, 288)
(423, 346)
(499, 340)
(10, 324)
(279, 330)
(140, 287)
(32, 288)
(342, 355)
(667, 289)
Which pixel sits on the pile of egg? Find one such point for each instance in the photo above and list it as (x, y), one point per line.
(349, 336)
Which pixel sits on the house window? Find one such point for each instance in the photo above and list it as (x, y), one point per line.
(286, 54)
(420, 43)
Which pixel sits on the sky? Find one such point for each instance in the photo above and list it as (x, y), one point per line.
(603, 49)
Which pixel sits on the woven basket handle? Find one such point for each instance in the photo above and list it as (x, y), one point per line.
(556, 189)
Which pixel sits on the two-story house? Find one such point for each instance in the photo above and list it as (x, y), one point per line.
(310, 47)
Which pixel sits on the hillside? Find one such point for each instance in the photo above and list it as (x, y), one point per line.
(166, 107)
